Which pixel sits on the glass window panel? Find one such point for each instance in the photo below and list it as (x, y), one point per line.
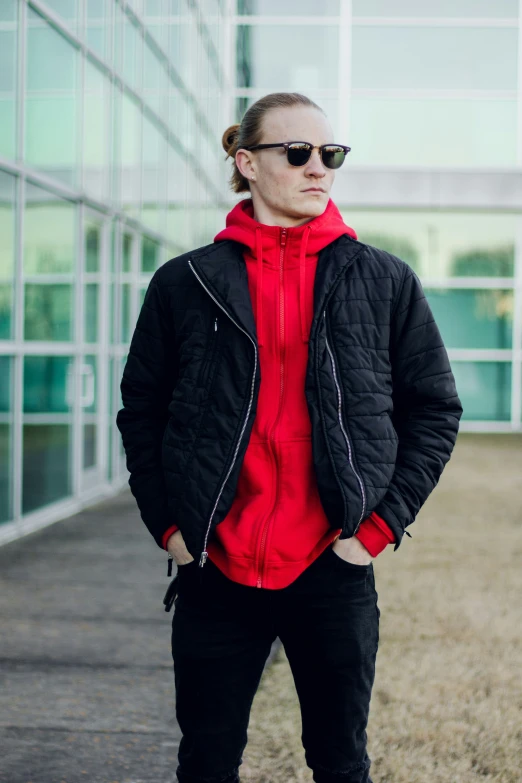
(6, 435)
(91, 304)
(48, 311)
(442, 244)
(49, 233)
(449, 8)
(473, 318)
(475, 58)
(125, 312)
(131, 156)
(8, 50)
(288, 7)
(51, 101)
(93, 238)
(8, 10)
(149, 255)
(98, 25)
(89, 392)
(7, 238)
(484, 389)
(299, 58)
(48, 384)
(47, 462)
(126, 252)
(67, 10)
(112, 313)
(96, 132)
(89, 445)
(132, 53)
(154, 176)
(112, 425)
(116, 143)
(155, 81)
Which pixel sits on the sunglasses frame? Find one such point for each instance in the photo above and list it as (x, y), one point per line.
(286, 144)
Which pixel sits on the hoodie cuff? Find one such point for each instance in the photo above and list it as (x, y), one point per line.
(375, 534)
(167, 534)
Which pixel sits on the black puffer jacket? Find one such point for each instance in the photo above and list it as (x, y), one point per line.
(379, 388)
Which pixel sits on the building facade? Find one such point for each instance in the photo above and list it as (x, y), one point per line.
(111, 116)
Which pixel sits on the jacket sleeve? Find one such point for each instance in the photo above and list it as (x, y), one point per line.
(146, 388)
(426, 406)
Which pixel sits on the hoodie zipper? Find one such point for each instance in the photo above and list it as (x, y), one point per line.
(204, 553)
(347, 439)
(273, 445)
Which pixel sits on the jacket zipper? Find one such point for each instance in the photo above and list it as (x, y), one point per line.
(282, 369)
(347, 439)
(204, 553)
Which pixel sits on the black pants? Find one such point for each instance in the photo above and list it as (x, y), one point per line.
(222, 632)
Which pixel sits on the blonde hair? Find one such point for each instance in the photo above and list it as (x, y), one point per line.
(248, 132)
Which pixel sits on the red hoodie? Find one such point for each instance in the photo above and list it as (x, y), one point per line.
(276, 525)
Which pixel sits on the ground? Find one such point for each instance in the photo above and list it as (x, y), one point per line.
(87, 691)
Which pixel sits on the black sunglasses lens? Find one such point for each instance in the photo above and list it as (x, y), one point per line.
(333, 157)
(298, 154)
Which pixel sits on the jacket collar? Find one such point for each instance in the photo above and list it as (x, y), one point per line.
(222, 271)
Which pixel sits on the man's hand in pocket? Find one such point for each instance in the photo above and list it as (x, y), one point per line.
(176, 547)
(352, 550)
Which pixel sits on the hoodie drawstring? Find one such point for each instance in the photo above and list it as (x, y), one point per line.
(302, 284)
(259, 297)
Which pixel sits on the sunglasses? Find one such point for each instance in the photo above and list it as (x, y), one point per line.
(298, 152)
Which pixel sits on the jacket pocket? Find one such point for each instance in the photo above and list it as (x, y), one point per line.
(209, 357)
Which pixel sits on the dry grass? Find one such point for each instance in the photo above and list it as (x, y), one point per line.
(447, 700)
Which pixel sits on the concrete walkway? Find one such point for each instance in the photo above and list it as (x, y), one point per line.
(87, 684)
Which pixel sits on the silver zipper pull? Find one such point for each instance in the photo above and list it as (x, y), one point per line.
(215, 324)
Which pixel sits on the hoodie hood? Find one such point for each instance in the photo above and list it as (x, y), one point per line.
(265, 241)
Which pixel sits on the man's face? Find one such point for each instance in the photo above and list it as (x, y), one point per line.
(280, 189)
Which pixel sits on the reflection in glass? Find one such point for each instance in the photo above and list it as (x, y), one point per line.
(7, 234)
(96, 133)
(126, 252)
(448, 8)
(89, 445)
(98, 25)
(88, 390)
(468, 318)
(484, 389)
(304, 60)
(433, 132)
(91, 293)
(125, 312)
(410, 57)
(149, 255)
(154, 176)
(131, 156)
(93, 231)
(50, 93)
(48, 311)
(132, 53)
(6, 434)
(49, 233)
(89, 405)
(440, 244)
(288, 7)
(8, 49)
(67, 10)
(48, 384)
(47, 463)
